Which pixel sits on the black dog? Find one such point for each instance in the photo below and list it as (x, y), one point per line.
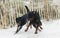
(32, 16)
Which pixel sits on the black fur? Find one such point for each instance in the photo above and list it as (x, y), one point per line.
(32, 16)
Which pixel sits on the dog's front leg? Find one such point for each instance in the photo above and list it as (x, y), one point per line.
(18, 29)
(27, 28)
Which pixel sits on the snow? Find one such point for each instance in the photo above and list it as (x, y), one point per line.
(51, 29)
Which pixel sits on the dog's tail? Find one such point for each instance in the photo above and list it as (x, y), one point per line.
(27, 9)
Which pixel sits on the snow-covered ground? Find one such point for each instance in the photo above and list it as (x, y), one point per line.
(51, 29)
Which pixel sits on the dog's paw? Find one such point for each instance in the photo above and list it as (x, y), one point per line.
(15, 33)
(31, 27)
(26, 30)
(36, 33)
(41, 28)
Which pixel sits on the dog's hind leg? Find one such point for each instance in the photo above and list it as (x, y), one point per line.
(35, 27)
(40, 24)
(40, 27)
(36, 30)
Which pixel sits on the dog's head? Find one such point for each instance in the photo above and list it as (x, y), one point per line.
(19, 23)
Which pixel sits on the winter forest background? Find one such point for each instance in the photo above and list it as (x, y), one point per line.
(10, 9)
